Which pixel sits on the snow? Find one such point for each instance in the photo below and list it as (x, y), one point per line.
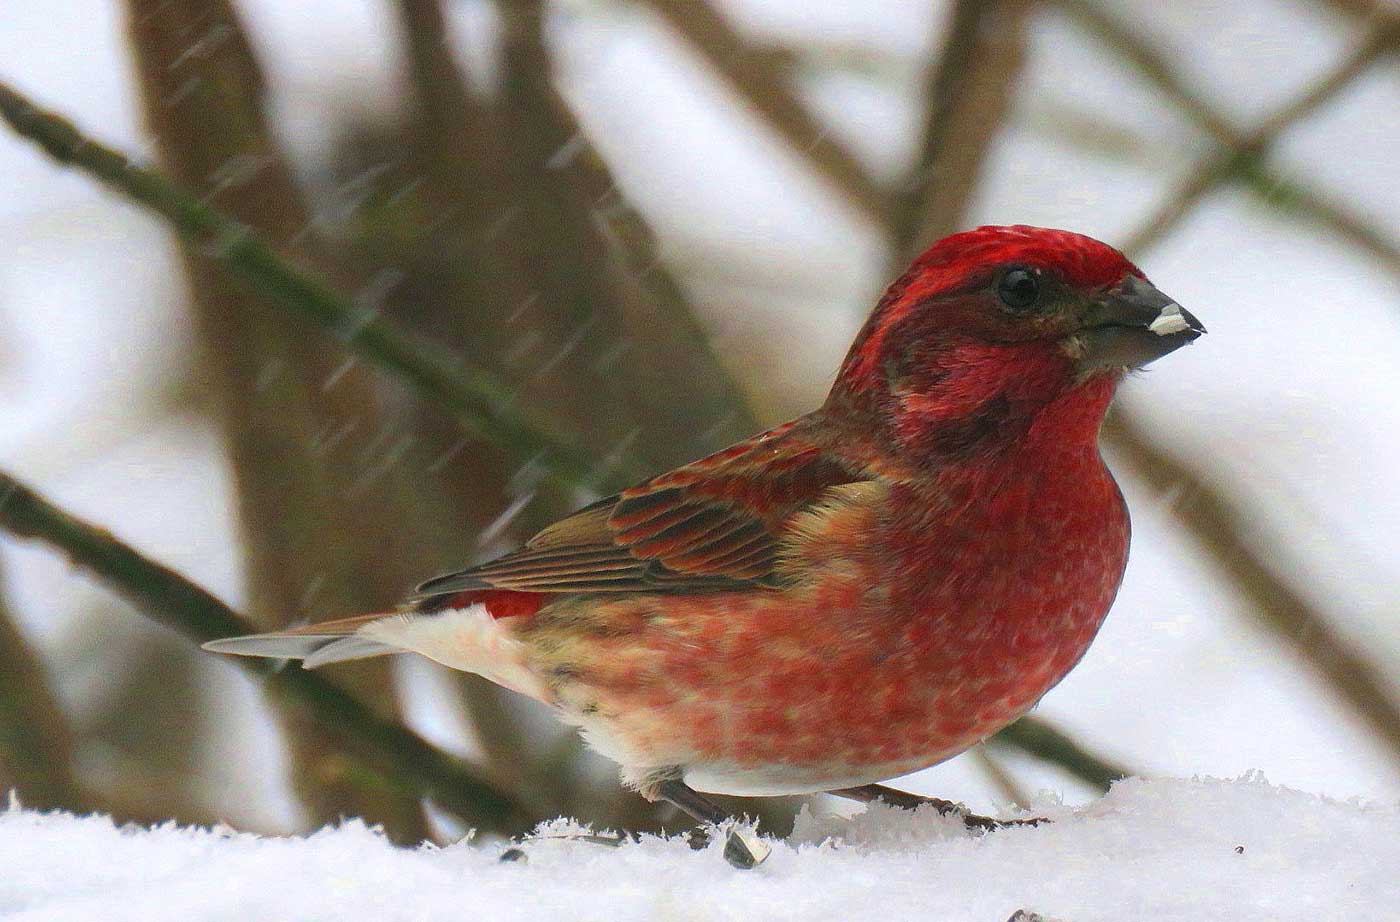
(1150, 851)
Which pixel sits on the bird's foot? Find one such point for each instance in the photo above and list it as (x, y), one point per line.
(870, 793)
(742, 848)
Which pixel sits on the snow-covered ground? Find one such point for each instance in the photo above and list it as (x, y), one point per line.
(1151, 851)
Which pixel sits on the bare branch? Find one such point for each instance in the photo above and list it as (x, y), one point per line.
(1290, 195)
(643, 366)
(204, 109)
(397, 756)
(1001, 778)
(1152, 63)
(35, 741)
(471, 394)
(969, 92)
(1252, 147)
(1279, 605)
(1040, 739)
(764, 87)
(1364, 10)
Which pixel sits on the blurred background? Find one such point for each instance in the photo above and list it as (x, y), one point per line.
(658, 223)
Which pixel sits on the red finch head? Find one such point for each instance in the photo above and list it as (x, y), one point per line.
(995, 333)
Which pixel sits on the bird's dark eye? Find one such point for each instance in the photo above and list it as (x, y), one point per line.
(1019, 288)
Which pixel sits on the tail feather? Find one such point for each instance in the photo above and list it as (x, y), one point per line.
(346, 649)
(314, 644)
(466, 638)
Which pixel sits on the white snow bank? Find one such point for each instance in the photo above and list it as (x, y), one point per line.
(1151, 851)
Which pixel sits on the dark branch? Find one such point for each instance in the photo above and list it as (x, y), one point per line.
(399, 756)
(1277, 603)
(761, 84)
(35, 738)
(969, 94)
(473, 395)
(1290, 194)
(1251, 148)
(1037, 738)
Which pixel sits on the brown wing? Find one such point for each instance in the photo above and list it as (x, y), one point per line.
(711, 525)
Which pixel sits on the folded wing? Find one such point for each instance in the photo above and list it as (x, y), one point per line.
(715, 524)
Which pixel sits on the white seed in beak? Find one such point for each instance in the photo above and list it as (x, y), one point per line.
(1169, 321)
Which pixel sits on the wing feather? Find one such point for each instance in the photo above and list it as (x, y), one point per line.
(718, 523)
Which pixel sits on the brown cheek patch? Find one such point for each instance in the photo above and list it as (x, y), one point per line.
(987, 425)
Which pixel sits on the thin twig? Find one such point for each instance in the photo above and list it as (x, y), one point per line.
(1163, 72)
(399, 756)
(764, 87)
(1152, 63)
(35, 737)
(636, 363)
(1001, 777)
(471, 394)
(1037, 738)
(1282, 608)
(1288, 194)
(1362, 10)
(970, 85)
(685, 348)
(1217, 169)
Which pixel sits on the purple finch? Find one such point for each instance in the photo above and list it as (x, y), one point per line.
(859, 593)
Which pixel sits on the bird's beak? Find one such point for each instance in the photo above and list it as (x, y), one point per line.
(1133, 324)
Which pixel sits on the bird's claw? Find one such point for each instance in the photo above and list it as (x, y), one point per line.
(977, 822)
(517, 853)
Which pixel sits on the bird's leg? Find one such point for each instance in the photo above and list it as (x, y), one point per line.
(741, 850)
(869, 793)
